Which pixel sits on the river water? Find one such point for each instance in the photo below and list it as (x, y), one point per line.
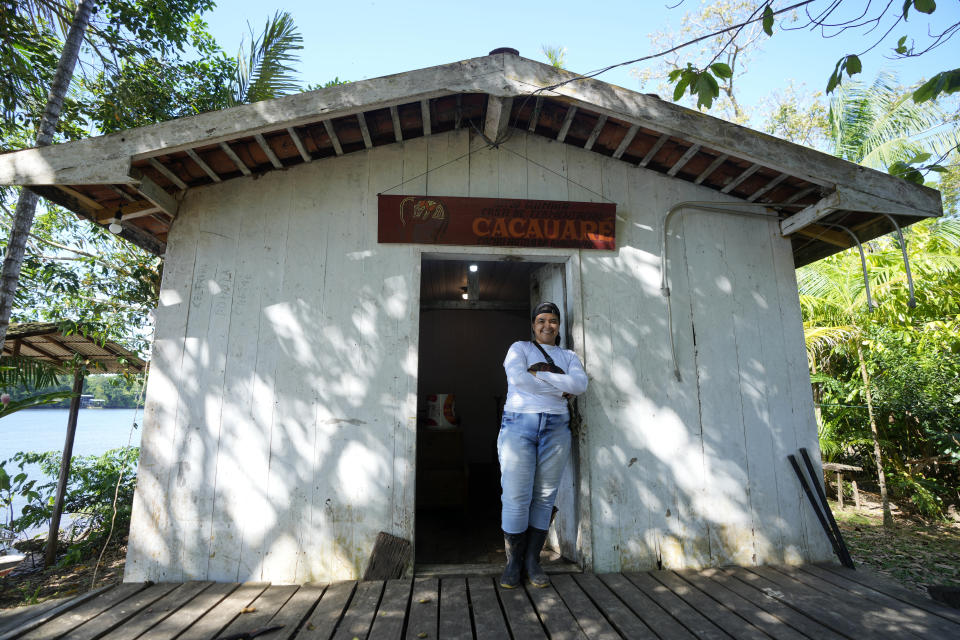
(98, 430)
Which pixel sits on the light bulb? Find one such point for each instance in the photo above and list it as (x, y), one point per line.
(465, 296)
(473, 268)
(115, 227)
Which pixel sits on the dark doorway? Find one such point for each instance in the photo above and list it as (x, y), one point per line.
(468, 320)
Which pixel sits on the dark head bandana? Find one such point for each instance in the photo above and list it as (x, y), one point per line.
(545, 307)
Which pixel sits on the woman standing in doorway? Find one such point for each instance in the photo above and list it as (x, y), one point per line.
(534, 441)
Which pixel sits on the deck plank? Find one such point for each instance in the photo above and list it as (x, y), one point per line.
(884, 585)
(488, 617)
(520, 615)
(388, 625)
(625, 621)
(121, 612)
(190, 611)
(900, 618)
(844, 619)
(714, 611)
(222, 614)
(769, 623)
(325, 616)
(659, 621)
(152, 615)
(670, 602)
(358, 618)
(766, 601)
(588, 617)
(18, 616)
(784, 603)
(424, 608)
(73, 618)
(559, 621)
(454, 612)
(261, 611)
(295, 610)
(24, 621)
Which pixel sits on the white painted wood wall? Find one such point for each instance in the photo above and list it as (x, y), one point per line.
(279, 430)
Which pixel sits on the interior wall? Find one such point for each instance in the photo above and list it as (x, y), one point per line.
(462, 352)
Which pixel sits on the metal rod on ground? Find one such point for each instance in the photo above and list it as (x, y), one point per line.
(846, 559)
(816, 507)
(50, 555)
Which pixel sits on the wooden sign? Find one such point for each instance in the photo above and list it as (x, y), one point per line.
(501, 222)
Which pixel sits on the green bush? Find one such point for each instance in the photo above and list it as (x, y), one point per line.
(89, 497)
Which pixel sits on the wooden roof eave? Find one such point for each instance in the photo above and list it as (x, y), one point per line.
(508, 81)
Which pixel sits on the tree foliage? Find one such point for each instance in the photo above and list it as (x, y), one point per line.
(911, 356)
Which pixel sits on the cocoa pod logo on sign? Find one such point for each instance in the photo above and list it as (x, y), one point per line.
(423, 220)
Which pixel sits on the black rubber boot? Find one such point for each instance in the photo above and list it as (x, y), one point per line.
(535, 573)
(515, 545)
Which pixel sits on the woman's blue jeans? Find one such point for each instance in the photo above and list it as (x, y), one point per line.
(533, 449)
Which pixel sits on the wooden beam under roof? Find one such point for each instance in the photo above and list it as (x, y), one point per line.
(425, 116)
(595, 133)
(298, 143)
(364, 132)
(767, 187)
(334, 140)
(498, 117)
(662, 140)
(154, 193)
(843, 199)
(241, 165)
(684, 159)
(719, 160)
(746, 173)
(122, 193)
(397, 129)
(567, 121)
(129, 211)
(203, 165)
(532, 126)
(88, 202)
(625, 143)
(836, 238)
(265, 147)
(167, 173)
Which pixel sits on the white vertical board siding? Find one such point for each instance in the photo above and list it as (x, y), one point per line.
(280, 425)
(151, 507)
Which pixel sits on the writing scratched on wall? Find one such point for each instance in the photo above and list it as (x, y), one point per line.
(504, 222)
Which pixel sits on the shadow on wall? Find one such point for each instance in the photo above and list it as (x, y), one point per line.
(693, 473)
(293, 337)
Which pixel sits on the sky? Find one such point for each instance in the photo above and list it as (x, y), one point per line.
(365, 39)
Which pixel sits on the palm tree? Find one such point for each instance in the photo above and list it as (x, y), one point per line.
(874, 125)
(878, 124)
(266, 69)
(837, 319)
(27, 203)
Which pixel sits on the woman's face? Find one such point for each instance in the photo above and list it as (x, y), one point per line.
(546, 327)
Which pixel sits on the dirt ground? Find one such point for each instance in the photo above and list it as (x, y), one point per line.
(30, 584)
(914, 553)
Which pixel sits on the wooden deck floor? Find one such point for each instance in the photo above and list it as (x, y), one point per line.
(819, 602)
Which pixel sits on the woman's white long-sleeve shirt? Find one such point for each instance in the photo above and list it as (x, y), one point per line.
(542, 393)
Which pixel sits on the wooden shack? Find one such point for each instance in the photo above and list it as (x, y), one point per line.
(296, 352)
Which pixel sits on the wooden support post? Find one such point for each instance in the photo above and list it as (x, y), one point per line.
(856, 494)
(840, 490)
(50, 556)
